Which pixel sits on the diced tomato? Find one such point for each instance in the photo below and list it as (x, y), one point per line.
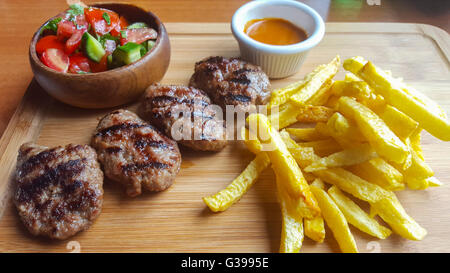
(123, 24)
(100, 66)
(79, 63)
(74, 41)
(65, 30)
(55, 59)
(94, 16)
(50, 41)
(138, 35)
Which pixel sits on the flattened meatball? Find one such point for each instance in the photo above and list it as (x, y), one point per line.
(171, 108)
(59, 191)
(231, 82)
(135, 154)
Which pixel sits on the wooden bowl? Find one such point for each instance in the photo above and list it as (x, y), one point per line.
(112, 87)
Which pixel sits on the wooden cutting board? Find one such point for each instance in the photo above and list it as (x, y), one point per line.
(176, 220)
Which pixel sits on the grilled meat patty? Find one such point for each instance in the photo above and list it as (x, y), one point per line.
(59, 191)
(231, 82)
(135, 154)
(185, 114)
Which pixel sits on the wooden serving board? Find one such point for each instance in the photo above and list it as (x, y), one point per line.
(176, 220)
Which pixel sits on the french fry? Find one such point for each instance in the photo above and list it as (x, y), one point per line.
(312, 114)
(322, 95)
(402, 125)
(392, 212)
(335, 220)
(291, 228)
(352, 184)
(347, 157)
(281, 95)
(381, 173)
(383, 202)
(361, 91)
(434, 182)
(305, 134)
(316, 81)
(344, 131)
(414, 142)
(315, 228)
(323, 147)
(285, 166)
(382, 139)
(222, 200)
(356, 216)
(251, 142)
(406, 99)
(287, 115)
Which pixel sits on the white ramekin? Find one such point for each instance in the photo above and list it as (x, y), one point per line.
(277, 61)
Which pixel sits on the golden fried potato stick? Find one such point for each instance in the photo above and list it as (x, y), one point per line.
(315, 228)
(285, 116)
(335, 220)
(406, 99)
(347, 157)
(356, 216)
(305, 134)
(343, 130)
(414, 142)
(392, 212)
(381, 138)
(381, 173)
(402, 125)
(291, 228)
(316, 81)
(251, 141)
(322, 95)
(323, 147)
(359, 90)
(282, 95)
(434, 182)
(234, 191)
(284, 165)
(312, 114)
(383, 202)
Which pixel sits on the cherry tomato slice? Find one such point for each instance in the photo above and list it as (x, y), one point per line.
(74, 41)
(94, 16)
(138, 35)
(65, 30)
(100, 66)
(55, 59)
(50, 41)
(79, 63)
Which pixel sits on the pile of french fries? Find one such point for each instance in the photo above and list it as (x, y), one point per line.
(364, 144)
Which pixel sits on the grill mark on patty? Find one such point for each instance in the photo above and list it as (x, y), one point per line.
(113, 150)
(242, 79)
(62, 172)
(239, 98)
(44, 158)
(123, 126)
(142, 143)
(170, 99)
(134, 167)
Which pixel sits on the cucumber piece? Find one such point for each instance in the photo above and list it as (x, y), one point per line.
(127, 54)
(92, 47)
(137, 25)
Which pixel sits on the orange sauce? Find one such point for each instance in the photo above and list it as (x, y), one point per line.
(274, 31)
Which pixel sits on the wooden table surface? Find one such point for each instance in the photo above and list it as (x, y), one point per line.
(20, 19)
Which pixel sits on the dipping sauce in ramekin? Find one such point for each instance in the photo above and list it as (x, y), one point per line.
(274, 31)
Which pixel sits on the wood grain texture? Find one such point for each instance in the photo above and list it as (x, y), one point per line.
(176, 220)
